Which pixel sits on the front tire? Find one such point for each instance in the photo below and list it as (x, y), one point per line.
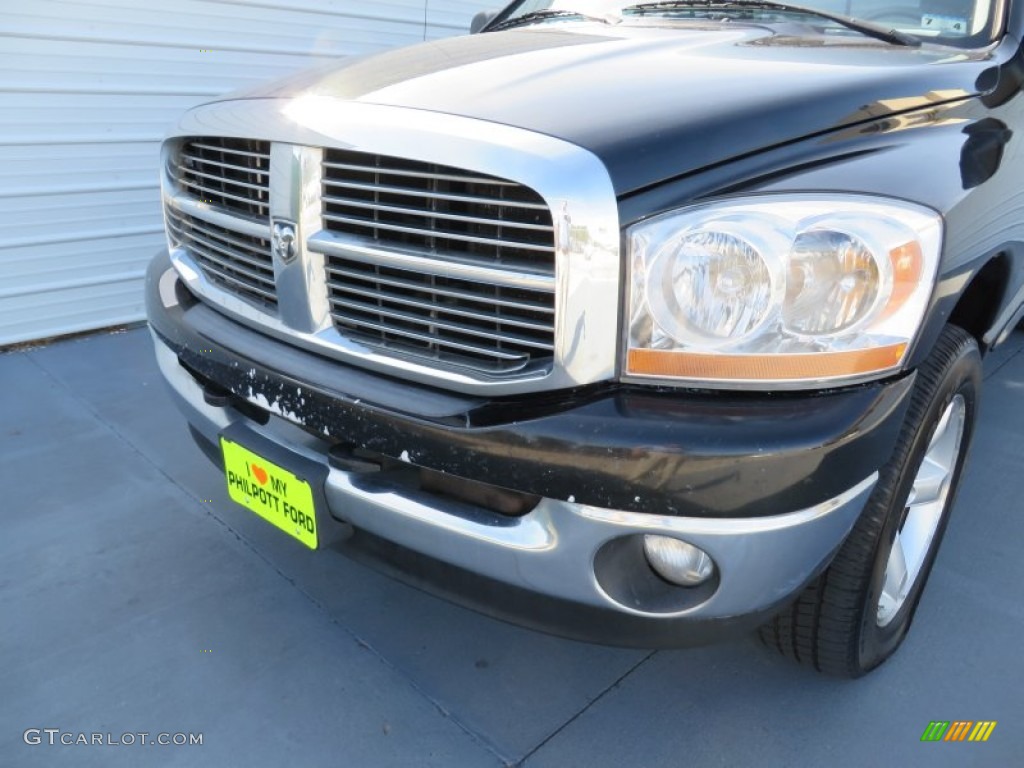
(857, 613)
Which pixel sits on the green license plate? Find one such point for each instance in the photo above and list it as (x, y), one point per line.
(272, 492)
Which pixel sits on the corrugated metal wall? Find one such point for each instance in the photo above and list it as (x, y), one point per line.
(87, 90)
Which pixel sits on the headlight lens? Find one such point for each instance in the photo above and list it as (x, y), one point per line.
(782, 290)
(834, 282)
(712, 286)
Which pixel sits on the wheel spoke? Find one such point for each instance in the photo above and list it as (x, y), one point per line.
(916, 536)
(895, 580)
(922, 516)
(929, 483)
(941, 430)
(896, 572)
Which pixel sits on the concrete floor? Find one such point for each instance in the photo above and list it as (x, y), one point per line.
(135, 597)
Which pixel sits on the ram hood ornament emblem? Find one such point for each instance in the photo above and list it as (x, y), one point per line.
(284, 243)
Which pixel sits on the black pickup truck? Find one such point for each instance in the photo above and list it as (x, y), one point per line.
(642, 323)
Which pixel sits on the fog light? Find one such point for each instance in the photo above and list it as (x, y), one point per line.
(677, 561)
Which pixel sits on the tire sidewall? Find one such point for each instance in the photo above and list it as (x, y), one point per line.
(962, 376)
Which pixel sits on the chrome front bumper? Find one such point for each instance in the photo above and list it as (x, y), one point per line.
(555, 550)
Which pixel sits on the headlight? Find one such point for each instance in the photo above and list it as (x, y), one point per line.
(790, 291)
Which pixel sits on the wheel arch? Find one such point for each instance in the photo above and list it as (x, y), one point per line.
(979, 305)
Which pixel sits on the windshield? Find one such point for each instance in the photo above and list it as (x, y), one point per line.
(962, 23)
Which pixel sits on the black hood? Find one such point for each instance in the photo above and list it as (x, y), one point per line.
(654, 102)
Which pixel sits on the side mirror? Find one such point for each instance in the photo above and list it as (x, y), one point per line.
(481, 20)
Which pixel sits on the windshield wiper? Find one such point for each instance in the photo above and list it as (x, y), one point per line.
(868, 28)
(550, 13)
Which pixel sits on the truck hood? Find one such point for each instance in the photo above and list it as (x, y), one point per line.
(654, 102)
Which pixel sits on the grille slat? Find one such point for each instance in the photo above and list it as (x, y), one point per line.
(446, 344)
(228, 166)
(436, 233)
(215, 197)
(345, 308)
(222, 262)
(220, 179)
(225, 145)
(434, 306)
(448, 292)
(239, 286)
(447, 197)
(486, 327)
(437, 216)
(383, 171)
(236, 262)
(234, 255)
(257, 257)
(233, 174)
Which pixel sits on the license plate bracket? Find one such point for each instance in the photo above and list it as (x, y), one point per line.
(278, 485)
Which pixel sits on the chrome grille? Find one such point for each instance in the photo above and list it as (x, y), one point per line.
(233, 174)
(489, 328)
(443, 215)
(239, 263)
(434, 207)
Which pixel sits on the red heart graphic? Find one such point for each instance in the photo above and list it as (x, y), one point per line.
(260, 474)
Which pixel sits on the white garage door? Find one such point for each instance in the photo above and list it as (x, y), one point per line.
(89, 87)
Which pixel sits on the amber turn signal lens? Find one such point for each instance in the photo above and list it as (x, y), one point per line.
(907, 263)
(820, 365)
